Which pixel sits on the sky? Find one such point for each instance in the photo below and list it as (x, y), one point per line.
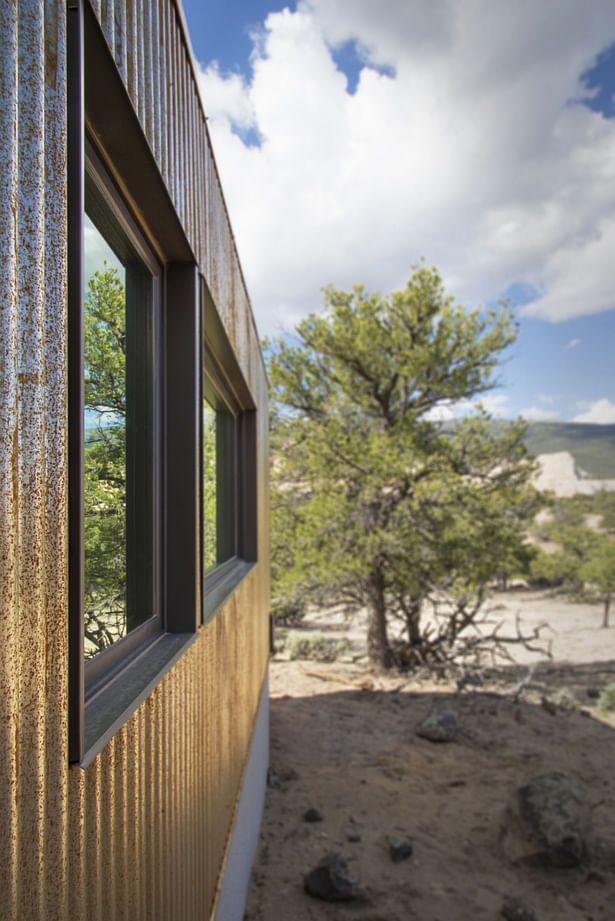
(355, 139)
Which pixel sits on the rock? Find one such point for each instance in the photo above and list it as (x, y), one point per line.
(439, 726)
(514, 910)
(312, 815)
(331, 880)
(400, 849)
(549, 822)
(352, 835)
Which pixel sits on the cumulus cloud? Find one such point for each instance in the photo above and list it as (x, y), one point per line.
(602, 412)
(228, 98)
(538, 414)
(496, 404)
(461, 144)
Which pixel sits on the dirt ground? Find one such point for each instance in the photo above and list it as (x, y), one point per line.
(343, 742)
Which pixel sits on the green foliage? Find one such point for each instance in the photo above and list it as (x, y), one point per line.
(314, 646)
(105, 461)
(209, 486)
(606, 701)
(104, 321)
(581, 528)
(373, 502)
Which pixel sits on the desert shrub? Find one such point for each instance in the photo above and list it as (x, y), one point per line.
(288, 611)
(314, 646)
(606, 701)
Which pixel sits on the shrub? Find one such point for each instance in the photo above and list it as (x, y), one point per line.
(606, 701)
(288, 611)
(314, 646)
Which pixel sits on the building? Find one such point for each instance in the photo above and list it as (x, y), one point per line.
(134, 575)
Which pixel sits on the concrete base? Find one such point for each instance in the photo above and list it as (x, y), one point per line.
(231, 904)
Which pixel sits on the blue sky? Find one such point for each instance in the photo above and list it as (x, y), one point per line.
(355, 139)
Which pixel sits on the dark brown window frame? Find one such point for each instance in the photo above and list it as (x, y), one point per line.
(224, 385)
(98, 669)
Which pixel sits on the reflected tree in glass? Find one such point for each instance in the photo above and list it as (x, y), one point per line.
(209, 487)
(105, 459)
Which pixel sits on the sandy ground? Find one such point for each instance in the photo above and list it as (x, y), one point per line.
(343, 742)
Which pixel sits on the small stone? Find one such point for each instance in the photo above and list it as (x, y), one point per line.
(273, 781)
(331, 880)
(514, 910)
(352, 835)
(439, 726)
(276, 779)
(312, 815)
(400, 849)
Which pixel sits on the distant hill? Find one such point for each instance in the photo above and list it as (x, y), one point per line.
(592, 446)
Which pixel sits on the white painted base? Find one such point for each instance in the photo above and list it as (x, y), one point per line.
(232, 901)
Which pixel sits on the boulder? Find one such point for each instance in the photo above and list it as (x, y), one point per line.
(515, 910)
(331, 880)
(439, 726)
(549, 822)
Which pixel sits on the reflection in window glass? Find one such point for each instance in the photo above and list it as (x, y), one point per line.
(119, 428)
(209, 486)
(219, 486)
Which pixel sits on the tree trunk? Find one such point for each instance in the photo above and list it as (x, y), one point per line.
(606, 609)
(378, 649)
(413, 622)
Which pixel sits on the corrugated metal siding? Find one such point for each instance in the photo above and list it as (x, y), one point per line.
(32, 459)
(142, 832)
(157, 804)
(151, 53)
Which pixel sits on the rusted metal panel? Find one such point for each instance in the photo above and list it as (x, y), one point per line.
(33, 766)
(143, 831)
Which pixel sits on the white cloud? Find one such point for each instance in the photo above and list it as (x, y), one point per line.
(545, 398)
(496, 404)
(228, 98)
(538, 414)
(602, 412)
(576, 277)
(573, 343)
(470, 154)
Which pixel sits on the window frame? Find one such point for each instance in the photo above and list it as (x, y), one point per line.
(222, 379)
(99, 666)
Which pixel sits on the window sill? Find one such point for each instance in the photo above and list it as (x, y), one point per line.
(109, 708)
(221, 583)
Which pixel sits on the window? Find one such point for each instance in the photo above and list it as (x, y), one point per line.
(121, 310)
(219, 483)
(228, 460)
(134, 406)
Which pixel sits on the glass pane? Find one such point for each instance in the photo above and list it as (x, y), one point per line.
(209, 486)
(119, 434)
(219, 486)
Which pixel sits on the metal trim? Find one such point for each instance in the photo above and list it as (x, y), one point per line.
(75, 193)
